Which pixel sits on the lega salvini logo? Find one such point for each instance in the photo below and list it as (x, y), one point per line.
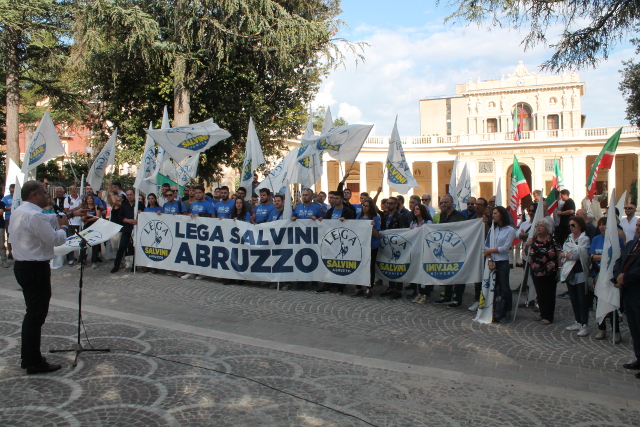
(394, 256)
(444, 254)
(341, 251)
(156, 240)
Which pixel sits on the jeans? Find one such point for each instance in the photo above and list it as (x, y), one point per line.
(3, 249)
(546, 290)
(34, 277)
(502, 283)
(578, 296)
(632, 311)
(124, 246)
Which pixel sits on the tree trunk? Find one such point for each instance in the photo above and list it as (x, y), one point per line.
(181, 93)
(12, 39)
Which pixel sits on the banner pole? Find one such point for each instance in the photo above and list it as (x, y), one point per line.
(613, 326)
(135, 228)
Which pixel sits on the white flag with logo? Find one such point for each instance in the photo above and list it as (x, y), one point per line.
(188, 140)
(104, 159)
(608, 295)
(253, 158)
(279, 176)
(463, 188)
(620, 204)
(100, 231)
(343, 143)
(44, 145)
(187, 170)
(488, 290)
(17, 195)
(147, 167)
(453, 184)
(327, 124)
(399, 174)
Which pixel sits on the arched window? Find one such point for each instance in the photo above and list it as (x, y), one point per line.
(524, 114)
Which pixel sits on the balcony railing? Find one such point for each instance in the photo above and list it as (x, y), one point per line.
(491, 138)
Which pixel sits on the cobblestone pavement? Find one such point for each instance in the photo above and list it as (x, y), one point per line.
(387, 362)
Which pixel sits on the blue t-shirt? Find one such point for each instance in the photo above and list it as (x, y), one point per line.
(276, 215)
(263, 211)
(306, 212)
(8, 201)
(172, 208)
(203, 207)
(375, 242)
(225, 209)
(597, 245)
(154, 209)
(336, 214)
(210, 199)
(358, 209)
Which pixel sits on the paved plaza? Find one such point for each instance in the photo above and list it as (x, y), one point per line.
(187, 352)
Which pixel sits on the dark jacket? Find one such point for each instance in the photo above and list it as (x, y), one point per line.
(126, 212)
(455, 216)
(397, 221)
(632, 276)
(346, 213)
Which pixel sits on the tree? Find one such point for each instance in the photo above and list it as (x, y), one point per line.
(318, 119)
(630, 86)
(607, 23)
(227, 59)
(34, 35)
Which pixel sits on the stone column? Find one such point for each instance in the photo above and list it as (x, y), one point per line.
(538, 169)
(363, 176)
(568, 174)
(410, 192)
(385, 183)
(342, 171)
(324, 180)
(434, 183)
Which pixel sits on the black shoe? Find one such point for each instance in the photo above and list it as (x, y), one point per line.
(23, 364)
(511, 266)
(454, 304)
(115, 269)
(635, 365)
(396, 295)
(519, 265)
(42, 368)
(443, 301)
(368, 294)
(386, 293)
(357, 293)
(322, 290)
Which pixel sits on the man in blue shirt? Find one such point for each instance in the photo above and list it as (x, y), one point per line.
(202, 207)
(278, 211)
(224, 208)
(470, 212)
(8, 201)
(263, 210)
(171, 205)
(307, 209)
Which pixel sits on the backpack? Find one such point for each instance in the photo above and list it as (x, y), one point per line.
(499, 307)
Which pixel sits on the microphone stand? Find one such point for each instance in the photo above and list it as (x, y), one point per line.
(77, 347)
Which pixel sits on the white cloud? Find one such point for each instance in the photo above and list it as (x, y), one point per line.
(408, 64)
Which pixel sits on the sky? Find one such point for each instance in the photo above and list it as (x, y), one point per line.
(414, 55)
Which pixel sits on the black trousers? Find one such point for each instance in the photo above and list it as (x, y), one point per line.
(35, 279)
(546, 290)
(458, 289)
(372, 270)
(632, 311)
(124, 248)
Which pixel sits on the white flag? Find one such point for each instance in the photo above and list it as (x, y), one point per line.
(147, 166)
(328, 121)
(13, 174)
(17, 195)
(399, 174)
(184, 141)
(453, 184)
(100, 231)
(487, 292)
(343, 143)
(187, 170)
(253, 158)
(464, 188)
(499, 193)
(620, 204)
(169, 170)
(44, 145)
(608, 295)
(101, 162)
(309, 130)
(279, 176)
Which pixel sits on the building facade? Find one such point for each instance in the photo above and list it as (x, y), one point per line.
(476, 124)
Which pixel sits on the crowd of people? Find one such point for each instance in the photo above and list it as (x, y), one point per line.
(564, 248)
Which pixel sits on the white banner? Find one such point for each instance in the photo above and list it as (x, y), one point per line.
(434, 254)
(343, 143)
(280, 251)
(100, 163)
(463, 188)
(100, 231)
(399, 175)
(253, 158)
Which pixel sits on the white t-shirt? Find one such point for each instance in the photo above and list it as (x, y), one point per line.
(71, 203)
(629, 227)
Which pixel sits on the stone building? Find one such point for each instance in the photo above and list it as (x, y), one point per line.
(476, 124)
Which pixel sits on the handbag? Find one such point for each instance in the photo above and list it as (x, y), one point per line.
(499, 307)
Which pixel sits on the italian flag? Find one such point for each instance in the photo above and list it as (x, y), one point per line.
(557, 185)
(517, 123)
(519, 189)
(603, 161)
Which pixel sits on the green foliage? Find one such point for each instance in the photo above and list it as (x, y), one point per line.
(590, 28)
(318, 119)
(630, 86)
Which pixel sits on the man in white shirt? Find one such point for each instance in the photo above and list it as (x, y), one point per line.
(71, 203)
(33, 238)
(628, 222)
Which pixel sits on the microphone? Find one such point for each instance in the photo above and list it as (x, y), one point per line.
(59, 210)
